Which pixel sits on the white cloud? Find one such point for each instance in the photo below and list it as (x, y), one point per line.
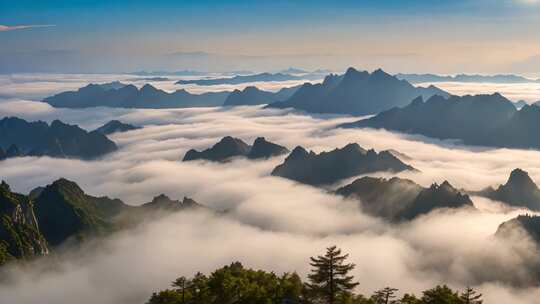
(273, 223)
(5, 28)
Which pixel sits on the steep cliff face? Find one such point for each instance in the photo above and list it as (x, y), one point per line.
(20, 236)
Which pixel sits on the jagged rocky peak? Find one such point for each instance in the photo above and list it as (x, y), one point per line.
(165, 203)
(519, 191)
(356, 93)
(399, 199)
(115, 126)
(264, 149)
(332, 166)
(229, 147)
(521, 180)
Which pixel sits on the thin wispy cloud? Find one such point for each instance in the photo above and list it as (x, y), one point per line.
(5, 28)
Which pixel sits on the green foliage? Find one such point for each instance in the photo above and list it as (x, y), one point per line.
(470, 296)
(385, 296)
(19, 233)
(441, 295)
(329, 276)
(234, 284)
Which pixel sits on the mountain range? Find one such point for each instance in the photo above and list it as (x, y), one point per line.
(239, 79)
(329, 167)
(399, 199)
(229, 147)
(356, 93)
(129, 96)
(58, 139)
(115, 126)
(508, 78)
(254, 96)
(62, 213)
(486, 120)
(518, 191)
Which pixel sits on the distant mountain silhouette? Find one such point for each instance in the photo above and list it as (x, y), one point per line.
(519, 191)
(57, 139)
(329, 167)
(239, 79)
(168, 73)
(398, 199)
(519, 227)
(264, 149)
(487, 120)
(229, 147)
(254, 96)
(114, 126)
(292, 70)
(419, 78)
(164, 203)
(129, 96)
(150, 79)
(356, 93)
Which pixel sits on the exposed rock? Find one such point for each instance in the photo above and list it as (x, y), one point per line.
(330, 167)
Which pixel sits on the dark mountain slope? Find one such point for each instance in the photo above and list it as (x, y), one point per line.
(398, 199)
(356, 93)
(254, 96)
(519, 191)
(130, 96)
(488, 120)
(63, 211)
(57, 139)
(114, 126)
(229, 147)
(20, 236)
(329, 167)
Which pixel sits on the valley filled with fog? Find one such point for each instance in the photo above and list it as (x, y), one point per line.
(267, 222)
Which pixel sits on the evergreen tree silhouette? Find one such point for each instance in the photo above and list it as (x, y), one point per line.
(329, 276)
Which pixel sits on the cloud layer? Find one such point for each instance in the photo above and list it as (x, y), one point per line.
(272, 223)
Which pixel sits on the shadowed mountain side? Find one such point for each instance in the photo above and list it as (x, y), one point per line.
(356, 93)
(229, 147)
(398, 199)
(57, 139)
(487, 120)
(115, 126)
(253, 96)
(329, 167)
(519, 191)
(129, 96)
(62, 213)
(520, 227)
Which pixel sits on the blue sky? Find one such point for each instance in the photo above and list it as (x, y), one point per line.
(434, 36)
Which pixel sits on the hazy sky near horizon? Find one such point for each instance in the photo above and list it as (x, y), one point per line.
(484, 36)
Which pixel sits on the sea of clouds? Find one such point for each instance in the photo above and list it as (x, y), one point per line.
(271, 223)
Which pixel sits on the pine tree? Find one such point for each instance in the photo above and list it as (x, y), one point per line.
(470, 296)
(329, 276)
(385, 295)
(181, 284)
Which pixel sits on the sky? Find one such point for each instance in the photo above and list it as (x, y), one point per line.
(484, 36)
